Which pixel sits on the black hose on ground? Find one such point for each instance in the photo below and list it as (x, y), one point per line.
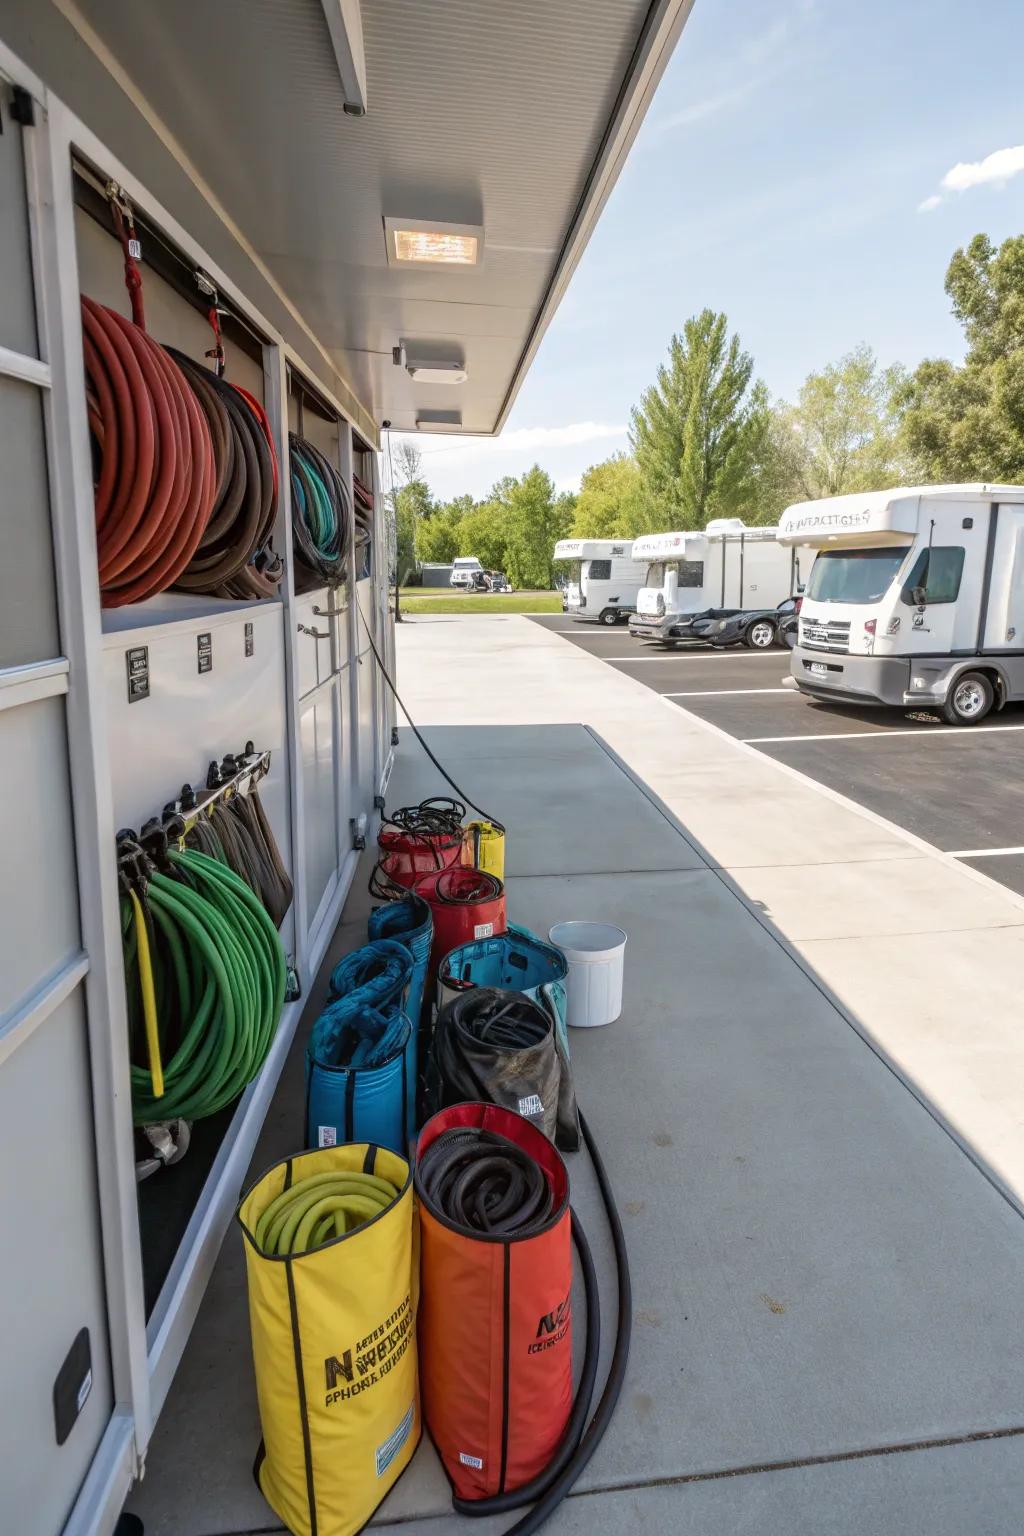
(419, 734)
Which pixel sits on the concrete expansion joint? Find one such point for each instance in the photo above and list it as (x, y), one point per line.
(828, 1458)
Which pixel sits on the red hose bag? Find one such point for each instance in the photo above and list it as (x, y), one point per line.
(495, 1328)
(409, 856)
(465, 904)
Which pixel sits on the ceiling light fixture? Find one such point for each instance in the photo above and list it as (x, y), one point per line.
(433, 370)
(438, 421)
(437, 373)
(421, 242)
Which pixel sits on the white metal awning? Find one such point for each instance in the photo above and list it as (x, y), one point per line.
(509, 120)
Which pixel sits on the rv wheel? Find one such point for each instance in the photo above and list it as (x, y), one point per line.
(609, 616)
(969, 700)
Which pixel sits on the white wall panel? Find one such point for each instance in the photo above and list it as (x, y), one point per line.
(312, 640)
(51, 1280)
(158, 744)
(319, 800)
(28, 599)
(40, 929)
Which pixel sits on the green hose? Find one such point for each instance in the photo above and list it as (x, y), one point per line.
(324, 1206)
(219, 973)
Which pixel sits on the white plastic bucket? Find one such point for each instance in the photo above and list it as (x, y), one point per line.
(595, 953)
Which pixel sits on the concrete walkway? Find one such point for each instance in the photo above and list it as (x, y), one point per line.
(826, 1283)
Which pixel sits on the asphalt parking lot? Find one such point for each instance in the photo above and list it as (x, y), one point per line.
(962, 790)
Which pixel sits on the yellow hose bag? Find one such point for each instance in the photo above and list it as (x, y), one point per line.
(334, 1347)
(483, 847)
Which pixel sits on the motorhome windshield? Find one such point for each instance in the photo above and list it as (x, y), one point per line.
(853, 575)
(690, 573)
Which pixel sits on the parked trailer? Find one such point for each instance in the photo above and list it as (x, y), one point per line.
(916, 597)
(711, 573)
(607, 582)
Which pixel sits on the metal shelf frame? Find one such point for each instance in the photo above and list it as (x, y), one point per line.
(144, 1358)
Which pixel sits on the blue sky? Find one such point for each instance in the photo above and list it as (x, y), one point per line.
(779, 175)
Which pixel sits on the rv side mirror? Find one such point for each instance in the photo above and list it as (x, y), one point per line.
(920, 596)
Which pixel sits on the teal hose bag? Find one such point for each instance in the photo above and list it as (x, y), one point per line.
(518, 961)
(357, 1077)
(380, 975)
(409, 921)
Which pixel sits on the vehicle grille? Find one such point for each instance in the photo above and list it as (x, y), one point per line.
(833, 635)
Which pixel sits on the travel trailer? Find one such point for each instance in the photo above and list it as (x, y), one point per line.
(606, 580)
(916, 598)
(711, 573)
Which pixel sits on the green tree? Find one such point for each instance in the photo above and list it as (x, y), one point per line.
(843, 434)
(534, 518)
(693, 431)
(437, 536)
(611, 503)
(967, 423)
(412, 504)
(482, 533)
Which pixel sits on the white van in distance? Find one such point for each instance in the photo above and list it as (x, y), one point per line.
(712, 572)
(916, 597)
(606, 580)
(463, 571)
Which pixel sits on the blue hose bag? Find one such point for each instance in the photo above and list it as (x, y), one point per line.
(361, 1056)
(409, 921)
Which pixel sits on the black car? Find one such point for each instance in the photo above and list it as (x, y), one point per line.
(758, 628)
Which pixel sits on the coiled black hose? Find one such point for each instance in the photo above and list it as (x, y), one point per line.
(482, 1182)
(479, 1175)
(234, 557)
(438, 816)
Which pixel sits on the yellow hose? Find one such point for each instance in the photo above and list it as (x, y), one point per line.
(156, 1066)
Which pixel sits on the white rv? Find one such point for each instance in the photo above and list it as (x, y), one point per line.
(711, 573)
(605, 581)
(916, 597)
(464, 571)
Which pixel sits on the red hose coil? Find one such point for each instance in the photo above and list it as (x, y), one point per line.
(157, 476)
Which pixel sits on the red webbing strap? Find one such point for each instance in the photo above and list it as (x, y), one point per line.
(124, 228)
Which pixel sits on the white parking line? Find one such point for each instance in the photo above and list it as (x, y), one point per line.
(719, 656)
(922, 732)
(723, 693)
(983, 853)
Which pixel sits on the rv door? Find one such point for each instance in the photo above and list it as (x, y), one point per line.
(1004, 619)
(940, 600)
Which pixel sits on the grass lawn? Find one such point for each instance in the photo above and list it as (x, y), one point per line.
(437, 600)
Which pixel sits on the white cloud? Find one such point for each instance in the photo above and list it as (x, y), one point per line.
(758, 61)
(519, 440)
(697, 110)
(995, 170)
